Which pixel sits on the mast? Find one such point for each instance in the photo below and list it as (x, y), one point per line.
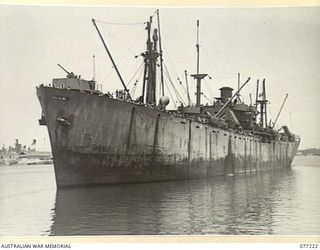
(261, 109)
(256, 103)
(238, 96)
(187, 85)
(146, 60)
(160, 53)
(197, 45)
(94, 67)
(251, 113)
(263, 105)
(150, 60)
(198, 77)
(110, 56)
(265, 102)
(144, 77)
(153, 70)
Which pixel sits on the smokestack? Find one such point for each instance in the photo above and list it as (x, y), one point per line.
(225, 94)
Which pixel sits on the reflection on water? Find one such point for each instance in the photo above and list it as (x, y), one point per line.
(252, 204)
(282, 202)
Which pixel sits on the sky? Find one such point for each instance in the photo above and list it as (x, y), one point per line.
(280, 44)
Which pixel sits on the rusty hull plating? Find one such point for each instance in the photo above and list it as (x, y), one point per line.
(96, 139)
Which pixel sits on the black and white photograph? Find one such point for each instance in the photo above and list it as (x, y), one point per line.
(159, 120)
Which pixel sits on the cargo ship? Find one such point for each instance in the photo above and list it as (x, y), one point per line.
(98, 138)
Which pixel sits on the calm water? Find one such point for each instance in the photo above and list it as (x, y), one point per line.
(285, 202)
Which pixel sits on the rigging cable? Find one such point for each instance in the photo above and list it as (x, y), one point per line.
(175, 72)
(168, 55)
(171, 62)
(207, 98)
(139, 68)
(208, 87)
(270, 115)
(114, 23)
(182, 86)
(174, 103)
(174, 88)
(130, 47)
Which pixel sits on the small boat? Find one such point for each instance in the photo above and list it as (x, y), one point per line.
(12, 162)
(41, 162)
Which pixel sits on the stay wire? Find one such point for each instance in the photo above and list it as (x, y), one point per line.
(177, 97)
(115, 23)
(174, 88)
(208, 87)
(167, 87)
(139, 68)
(168, 56)
(183, 87)
(120, 61)
(129, 48)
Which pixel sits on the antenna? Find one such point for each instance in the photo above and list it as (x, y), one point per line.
(197, 45)
(198, 76)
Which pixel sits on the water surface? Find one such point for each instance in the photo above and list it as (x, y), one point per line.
(282, 202)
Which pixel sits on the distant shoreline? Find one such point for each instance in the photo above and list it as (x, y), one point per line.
(309, 151)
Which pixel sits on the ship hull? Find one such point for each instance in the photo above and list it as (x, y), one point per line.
(99, 140)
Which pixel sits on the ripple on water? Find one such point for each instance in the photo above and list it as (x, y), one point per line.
(280, 202)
